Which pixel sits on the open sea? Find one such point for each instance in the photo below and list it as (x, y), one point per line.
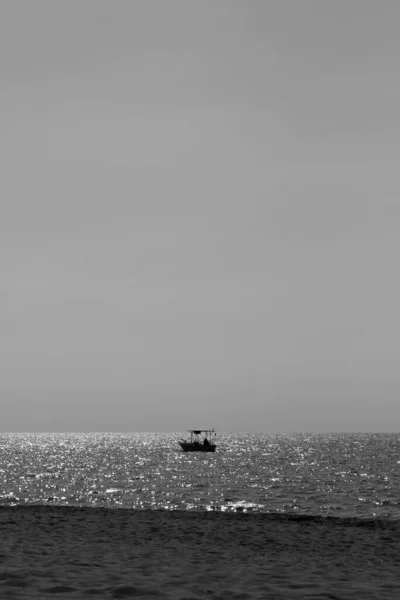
(343, 475)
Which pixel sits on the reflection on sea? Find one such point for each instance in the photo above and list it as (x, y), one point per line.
(344, 475)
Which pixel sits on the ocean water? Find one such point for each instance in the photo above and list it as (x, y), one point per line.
(347, 475)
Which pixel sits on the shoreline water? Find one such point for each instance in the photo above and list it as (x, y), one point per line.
(83, 552)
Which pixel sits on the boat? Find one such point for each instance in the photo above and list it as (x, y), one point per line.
(201, 440)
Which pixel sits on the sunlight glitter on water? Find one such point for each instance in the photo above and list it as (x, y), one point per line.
(357, 475)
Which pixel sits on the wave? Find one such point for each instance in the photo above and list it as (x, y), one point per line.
(202, 516)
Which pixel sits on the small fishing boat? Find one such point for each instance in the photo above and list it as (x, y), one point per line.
(201, 440)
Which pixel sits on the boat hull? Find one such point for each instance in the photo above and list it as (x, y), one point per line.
(196, 447)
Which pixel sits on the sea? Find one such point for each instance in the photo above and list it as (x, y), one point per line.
(343, 475)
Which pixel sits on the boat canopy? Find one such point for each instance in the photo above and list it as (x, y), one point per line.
(198, 431)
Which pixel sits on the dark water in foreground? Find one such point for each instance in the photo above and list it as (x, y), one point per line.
(346, 475)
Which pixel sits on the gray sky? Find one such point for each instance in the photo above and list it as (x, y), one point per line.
(200, 215)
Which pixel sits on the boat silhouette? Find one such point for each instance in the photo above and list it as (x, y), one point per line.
(201, 440)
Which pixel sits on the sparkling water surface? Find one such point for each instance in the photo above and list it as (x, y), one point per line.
(326, 474)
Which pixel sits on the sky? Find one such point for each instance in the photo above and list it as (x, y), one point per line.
(199, 215)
